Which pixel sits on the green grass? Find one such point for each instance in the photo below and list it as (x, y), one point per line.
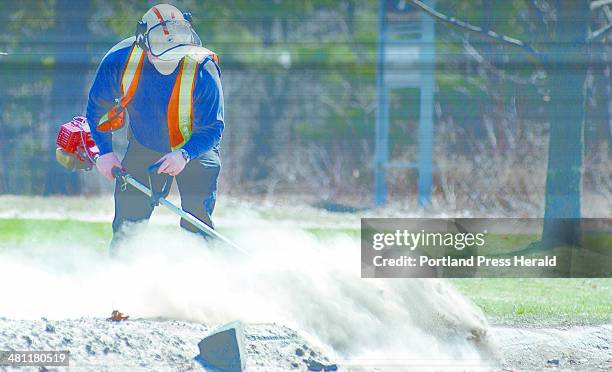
(21, 232)
(541, 302)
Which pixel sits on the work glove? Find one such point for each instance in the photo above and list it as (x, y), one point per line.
(172, 163)
(106, 163)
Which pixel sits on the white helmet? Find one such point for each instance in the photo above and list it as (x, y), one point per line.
(166, 32)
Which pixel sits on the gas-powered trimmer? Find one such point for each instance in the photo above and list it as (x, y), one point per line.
(78, 151)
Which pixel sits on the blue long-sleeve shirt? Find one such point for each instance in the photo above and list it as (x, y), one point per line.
(148, 109)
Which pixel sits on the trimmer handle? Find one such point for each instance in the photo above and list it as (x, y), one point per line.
(165, 190)
(118, 172)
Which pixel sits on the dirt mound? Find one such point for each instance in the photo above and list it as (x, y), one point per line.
(581, 348)
(153, 345)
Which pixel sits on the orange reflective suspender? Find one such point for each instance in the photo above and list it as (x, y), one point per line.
(131, 74)
(180, 106)
(114, 119)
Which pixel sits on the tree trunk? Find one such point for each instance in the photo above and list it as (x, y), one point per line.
(261, 145)
(272, 106)
(70, 38)
(567, 68)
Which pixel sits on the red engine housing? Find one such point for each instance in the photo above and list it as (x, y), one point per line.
(76, 145)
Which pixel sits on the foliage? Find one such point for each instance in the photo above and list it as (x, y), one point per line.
(299, 78)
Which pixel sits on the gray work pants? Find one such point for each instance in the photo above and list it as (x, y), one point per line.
(197, 185)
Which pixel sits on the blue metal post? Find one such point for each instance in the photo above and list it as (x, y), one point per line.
(427, 60)
(382, 118)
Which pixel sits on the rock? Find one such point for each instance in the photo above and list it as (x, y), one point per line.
(224, 348)
(89, 350)
(314, 365)
(49, 328)
(299, 352)
(27, 339)
(553, 362)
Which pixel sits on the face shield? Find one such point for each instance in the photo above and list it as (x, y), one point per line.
(171, 39)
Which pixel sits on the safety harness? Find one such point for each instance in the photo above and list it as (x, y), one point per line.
(180, 107)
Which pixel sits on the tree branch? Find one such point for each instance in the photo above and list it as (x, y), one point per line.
(599, 3)
(601, 32)
(472, 28)
(608, 13)
(541, 19)
(478, 57)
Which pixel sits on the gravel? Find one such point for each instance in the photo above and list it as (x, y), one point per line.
(156, 344)
(145, 345)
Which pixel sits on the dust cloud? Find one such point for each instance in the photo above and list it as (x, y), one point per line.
(290, 277)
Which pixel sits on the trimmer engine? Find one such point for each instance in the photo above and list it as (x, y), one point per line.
(77, 150)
